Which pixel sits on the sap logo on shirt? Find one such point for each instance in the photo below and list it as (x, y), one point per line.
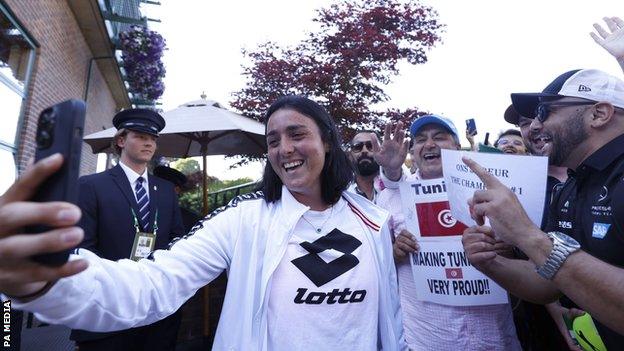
(600, 230)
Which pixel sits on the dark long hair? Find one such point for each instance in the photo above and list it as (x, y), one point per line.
(337, 171)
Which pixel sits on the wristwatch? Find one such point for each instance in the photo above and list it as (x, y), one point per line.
(563, 246)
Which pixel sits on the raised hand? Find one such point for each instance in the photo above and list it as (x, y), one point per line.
(611, 40)
(471, 141)
(19, 275)
(391, 154)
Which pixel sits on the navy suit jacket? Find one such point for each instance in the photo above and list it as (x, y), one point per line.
(106, 200)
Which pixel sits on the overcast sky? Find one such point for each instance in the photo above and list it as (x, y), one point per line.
(490, 49)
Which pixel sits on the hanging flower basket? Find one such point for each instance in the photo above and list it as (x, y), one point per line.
(142, 51)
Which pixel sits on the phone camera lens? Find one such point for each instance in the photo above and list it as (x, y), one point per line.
(43, 139)
(47, 118)
(45, 129)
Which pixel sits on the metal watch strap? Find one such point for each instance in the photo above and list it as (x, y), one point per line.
(558, 255)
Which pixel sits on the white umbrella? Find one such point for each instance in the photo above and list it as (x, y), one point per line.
(199, 128)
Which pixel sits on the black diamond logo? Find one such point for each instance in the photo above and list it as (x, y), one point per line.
(321, 272)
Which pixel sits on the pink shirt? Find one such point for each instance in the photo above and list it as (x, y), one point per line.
(431, 326)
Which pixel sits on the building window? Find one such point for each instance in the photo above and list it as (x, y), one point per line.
(17, 52)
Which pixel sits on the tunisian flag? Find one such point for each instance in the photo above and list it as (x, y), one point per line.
(435, 219)
(454, 273)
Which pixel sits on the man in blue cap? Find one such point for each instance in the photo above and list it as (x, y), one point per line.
(126, 214)
(428, 325)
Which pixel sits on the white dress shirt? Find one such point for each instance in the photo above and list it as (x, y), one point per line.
(132, 178)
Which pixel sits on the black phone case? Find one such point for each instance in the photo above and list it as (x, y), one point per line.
(471, 126)
(59, 130)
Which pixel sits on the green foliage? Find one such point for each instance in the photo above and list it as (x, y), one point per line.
(192, 198)
(186, 165)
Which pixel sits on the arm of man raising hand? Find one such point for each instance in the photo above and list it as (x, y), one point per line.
(391, 154)
(19, 275)
(613, 42)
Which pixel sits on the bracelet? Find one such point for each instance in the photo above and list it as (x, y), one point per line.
(36, 293)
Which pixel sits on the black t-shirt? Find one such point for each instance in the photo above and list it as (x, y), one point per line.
(590, 208)
(552, 183)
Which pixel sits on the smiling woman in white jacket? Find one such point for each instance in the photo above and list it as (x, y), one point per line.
(309, 265)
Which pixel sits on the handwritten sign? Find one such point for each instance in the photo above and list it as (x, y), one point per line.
(524, 175)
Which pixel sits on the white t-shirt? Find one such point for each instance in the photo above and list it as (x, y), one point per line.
(324, 292)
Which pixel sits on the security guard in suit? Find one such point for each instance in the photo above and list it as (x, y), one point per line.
(126, 214)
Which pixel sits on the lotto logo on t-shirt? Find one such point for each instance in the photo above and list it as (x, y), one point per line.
(435, 219)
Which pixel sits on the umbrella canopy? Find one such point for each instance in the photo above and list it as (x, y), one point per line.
(198, 128)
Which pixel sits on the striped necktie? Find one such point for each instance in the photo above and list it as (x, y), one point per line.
(143, 203)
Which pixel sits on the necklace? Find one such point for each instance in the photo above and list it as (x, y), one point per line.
(318, 229)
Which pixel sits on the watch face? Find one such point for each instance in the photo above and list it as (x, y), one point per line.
(566, 240)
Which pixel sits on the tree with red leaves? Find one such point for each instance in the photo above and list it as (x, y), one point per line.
(345, 64)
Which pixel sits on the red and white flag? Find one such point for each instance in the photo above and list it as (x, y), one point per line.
(454, 273)
(435, 219)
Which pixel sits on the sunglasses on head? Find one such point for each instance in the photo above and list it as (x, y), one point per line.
(357, 147)
(544, 109)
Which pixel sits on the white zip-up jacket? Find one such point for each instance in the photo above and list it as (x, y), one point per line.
(248, 238)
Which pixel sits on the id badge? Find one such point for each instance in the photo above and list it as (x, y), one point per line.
(144, 244)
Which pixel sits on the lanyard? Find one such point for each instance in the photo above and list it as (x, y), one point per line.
(136, 221)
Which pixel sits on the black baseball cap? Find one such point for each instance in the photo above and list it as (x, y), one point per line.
(511, 116)
(525, 104)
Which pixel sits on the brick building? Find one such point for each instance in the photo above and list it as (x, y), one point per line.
(51, 51)
(54, 50)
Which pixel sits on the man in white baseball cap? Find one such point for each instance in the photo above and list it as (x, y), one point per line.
(580, 118)
(591, 85)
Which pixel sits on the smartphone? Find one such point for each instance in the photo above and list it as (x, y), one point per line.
(471, 126)
(59, 130)
(570, 327)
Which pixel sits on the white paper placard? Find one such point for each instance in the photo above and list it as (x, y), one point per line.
(442, 274)
(524, 175)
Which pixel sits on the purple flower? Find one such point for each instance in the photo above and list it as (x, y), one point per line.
(142, 50)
